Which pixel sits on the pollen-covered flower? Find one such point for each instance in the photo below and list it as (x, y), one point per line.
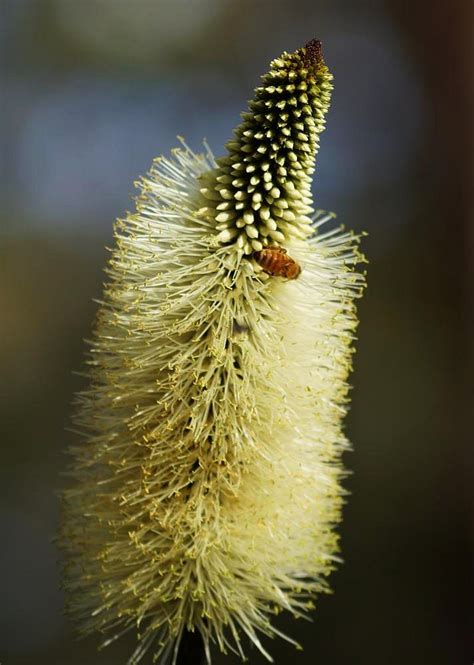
(207, 485)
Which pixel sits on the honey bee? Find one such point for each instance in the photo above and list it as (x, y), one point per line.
(275, 261)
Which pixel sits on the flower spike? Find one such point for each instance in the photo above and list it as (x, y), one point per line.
(206, 489)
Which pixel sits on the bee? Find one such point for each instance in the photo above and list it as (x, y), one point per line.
(275, 261)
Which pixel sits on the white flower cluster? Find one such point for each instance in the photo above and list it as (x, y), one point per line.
(206, 488)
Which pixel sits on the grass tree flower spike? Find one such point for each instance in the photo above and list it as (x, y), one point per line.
(207, 485)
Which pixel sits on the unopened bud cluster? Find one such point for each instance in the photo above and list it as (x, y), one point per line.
(260, 194)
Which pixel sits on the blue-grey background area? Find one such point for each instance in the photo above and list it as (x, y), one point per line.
(91, 91)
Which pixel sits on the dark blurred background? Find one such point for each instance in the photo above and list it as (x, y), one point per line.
(92, 90)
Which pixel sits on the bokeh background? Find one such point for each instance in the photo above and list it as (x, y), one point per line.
(91, 91)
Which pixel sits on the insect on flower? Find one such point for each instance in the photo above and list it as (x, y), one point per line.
(276, 261)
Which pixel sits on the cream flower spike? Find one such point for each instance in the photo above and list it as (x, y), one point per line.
(207, 486)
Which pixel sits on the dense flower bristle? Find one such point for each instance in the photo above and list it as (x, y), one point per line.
(207, 485)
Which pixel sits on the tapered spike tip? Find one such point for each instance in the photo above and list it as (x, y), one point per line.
(313, 53)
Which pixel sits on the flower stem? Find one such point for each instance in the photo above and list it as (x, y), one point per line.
(191, 649)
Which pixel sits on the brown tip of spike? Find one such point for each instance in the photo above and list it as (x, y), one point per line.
(313, 53)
